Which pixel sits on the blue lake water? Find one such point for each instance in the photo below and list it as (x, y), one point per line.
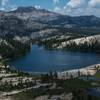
(41, 60)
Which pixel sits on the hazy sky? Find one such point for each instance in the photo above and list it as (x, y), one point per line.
(68, 7)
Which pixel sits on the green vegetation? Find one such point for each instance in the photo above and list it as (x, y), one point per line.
(97, 75)
(9, 86)
(69, 84)
(48, 43)
(49, 77)
(13, 48)
(82, 95)
(30, 95)
(73, 84)
(72, 46)
(93, 47)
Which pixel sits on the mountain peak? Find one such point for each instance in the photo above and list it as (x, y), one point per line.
(25, 9)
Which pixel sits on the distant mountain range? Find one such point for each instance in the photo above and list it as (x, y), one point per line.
(29, 20)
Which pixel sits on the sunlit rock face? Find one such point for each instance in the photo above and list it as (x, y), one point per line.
(27, 20)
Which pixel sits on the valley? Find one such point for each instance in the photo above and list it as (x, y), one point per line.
(49, 56)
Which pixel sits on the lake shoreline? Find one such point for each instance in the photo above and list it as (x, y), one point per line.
(39, 60)
(86, 71)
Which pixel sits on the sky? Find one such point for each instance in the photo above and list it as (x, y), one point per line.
(66, 7)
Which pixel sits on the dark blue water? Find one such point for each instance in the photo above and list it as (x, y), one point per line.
(41, 60)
